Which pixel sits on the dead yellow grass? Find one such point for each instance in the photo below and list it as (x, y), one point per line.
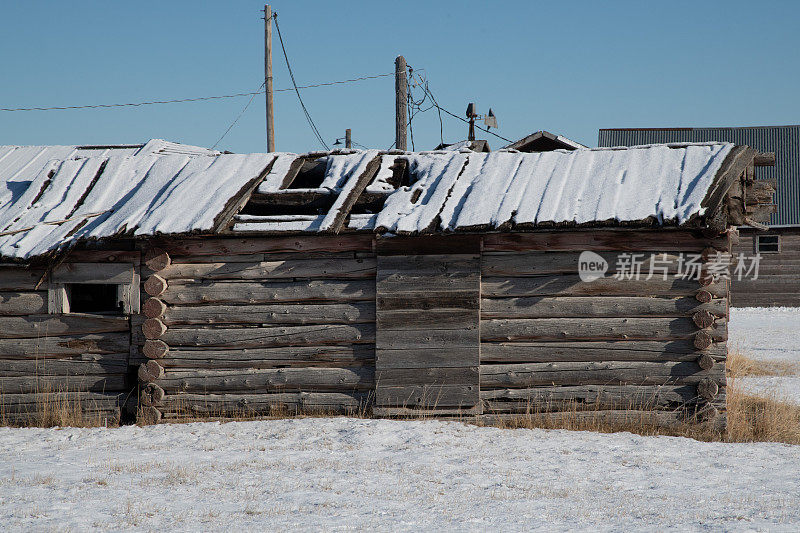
(739, 366)
(52, 408)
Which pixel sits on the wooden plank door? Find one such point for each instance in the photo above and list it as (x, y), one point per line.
(428, 334)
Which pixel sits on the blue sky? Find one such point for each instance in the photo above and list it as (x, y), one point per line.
(567, 67)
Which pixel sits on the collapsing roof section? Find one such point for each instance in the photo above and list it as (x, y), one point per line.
(55, 197)
(447, 191)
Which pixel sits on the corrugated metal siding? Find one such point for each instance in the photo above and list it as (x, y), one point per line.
(783, 140)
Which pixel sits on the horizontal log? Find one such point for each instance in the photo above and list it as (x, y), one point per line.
(597, 306)
(427, 300)
(349, 355)
(189, 405)
(544, 352)
(96, 365)
(544, 399)
(53, 403)
(155, 285)
(407, 319)
(153, 328)
(268, 292)
(621, 419)
(426, 413)
(306, 268)
(526, 375)
(539, 263)
(34, 384)
(571, 285)
(764, 159)
(266, 337)
(389, 282)
(428, 396)
(111, 273)
(593, 329)
(394, 377)
(155, 349)
(21, 278)
(596, 239)
(437, 264)
(432, 356)
(104, 256)
(428, 245)
(157, 259)
(424, 339)
(151, 395)
(12, 327)
(234, 246)
(22, 303)
(154, 308)
(269, 380)
(150, 371)
(103, 343)
(345, 313)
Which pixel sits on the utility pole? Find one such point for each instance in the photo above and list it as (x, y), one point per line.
(268, 77)
(348, 140)
(401, 102)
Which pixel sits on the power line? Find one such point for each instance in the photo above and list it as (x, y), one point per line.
(296, 90)
(198, 99)
(440, 108)
(239, 115)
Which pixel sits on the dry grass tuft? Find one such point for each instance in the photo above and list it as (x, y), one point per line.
(740, 365)
(53, 408)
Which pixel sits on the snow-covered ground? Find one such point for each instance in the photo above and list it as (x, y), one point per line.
(351, 474)
(771, 335)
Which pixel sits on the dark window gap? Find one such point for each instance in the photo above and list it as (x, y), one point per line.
(94, 298)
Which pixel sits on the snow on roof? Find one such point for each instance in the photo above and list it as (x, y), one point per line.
(57, 195)
(463, 191)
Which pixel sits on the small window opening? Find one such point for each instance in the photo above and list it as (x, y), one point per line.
(768, 244)
(94, 298)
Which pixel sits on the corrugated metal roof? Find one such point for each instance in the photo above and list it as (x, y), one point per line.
(783, 140)
(57, 195)
(462, 191)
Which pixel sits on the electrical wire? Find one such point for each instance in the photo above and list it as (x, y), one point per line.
(239, 115)
(198, 99)
(296, 90)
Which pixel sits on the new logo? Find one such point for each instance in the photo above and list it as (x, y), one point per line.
(591, 266)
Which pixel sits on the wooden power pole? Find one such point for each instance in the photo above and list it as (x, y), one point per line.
(268, 77)
(401, 102)
(348, 139)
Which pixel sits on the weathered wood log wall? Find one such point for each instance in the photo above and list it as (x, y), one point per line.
(73, 364)
(553, 343)
(242, 327)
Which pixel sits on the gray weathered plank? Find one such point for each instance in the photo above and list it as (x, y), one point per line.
(269, 380)
(526, 375)
(346, 313)
(254, 337)
(23, 303)
(544, 352)
(597, 306)
(251, 292)
(305, 268)
(594, 329)
(347, 355)
(34, 326)
(555, 285)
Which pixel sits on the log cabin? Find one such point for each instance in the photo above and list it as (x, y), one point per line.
(172, 282)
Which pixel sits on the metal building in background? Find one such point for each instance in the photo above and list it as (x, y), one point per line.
(783, 140)
(779, 277)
